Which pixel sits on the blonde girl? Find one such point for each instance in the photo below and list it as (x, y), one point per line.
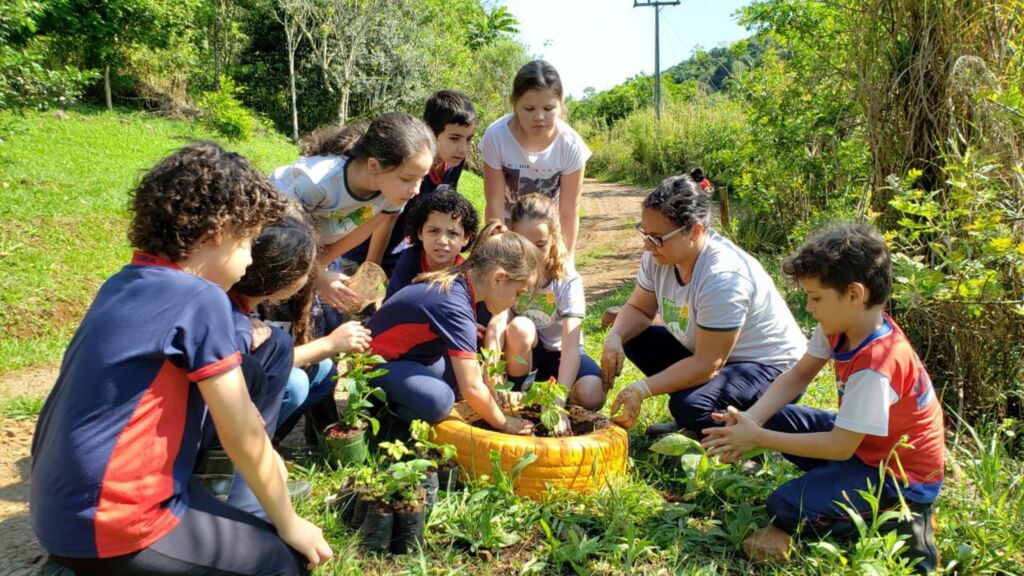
(428, 331)
(533, 150)
(544, 339)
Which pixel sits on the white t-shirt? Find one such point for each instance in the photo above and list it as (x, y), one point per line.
(729, 291)
(527, 172)
(867, 394)
(547, 306)
(320, 183)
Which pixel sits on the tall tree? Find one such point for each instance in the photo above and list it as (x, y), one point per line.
(291, 14)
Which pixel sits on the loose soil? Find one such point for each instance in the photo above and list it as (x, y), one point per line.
(608, 210)
(581, 422)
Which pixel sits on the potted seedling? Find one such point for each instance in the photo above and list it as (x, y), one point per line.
(447, 472)
(395, 501)
(345, 441)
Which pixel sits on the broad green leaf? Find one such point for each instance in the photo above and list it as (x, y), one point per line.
(675, 445)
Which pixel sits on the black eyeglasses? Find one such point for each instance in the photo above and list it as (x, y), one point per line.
(658, 241)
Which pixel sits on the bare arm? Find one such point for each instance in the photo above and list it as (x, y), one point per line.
(711, 351)
(494, 194)
(571, 189)
(636, 315)
(379, 239)
(742, 434)
(244, 439)
(349, 337)
(353, 238)
(479, 398)
(786, 387)
(569, 365)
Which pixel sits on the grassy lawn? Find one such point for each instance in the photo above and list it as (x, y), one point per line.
(63, 191)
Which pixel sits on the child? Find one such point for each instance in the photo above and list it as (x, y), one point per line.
(354, 181)
(885, 394)
(546, 330)
(284, 257)
(532, 150)
(452, 118)
(117, 440)
(440, 227)
(427, 332)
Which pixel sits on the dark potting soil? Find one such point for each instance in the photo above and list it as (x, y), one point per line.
(336, 432)
(582, 421)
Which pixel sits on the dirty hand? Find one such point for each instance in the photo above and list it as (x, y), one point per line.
(350, 337)
(260, 332)
(630, 399)
(737, 437)
(333, 289)
(307, 539)
(507, 400)
(564, 426)
(612, 357)
(514, 425)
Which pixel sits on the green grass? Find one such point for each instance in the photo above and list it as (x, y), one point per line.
(21, 407)
(64, 187)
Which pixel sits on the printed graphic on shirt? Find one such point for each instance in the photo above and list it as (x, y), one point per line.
(676, 317)
(344, 222)
(538, 306)
(519, 185)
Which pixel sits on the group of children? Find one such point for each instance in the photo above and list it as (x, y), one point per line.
(222, 332)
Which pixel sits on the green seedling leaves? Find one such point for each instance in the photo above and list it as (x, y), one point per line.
(676, 445)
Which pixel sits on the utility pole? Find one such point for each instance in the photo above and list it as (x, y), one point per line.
(657, 4)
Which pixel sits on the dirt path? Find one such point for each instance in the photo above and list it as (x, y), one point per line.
(609, 253)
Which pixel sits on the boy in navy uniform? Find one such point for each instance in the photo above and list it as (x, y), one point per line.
(117, 440)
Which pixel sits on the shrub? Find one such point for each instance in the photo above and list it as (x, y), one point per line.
(223, 111)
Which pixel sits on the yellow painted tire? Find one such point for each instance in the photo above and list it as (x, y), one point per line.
(577, 463)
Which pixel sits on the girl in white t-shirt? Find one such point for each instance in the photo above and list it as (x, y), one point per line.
(544, 338)
(533, 150)
(353, 179)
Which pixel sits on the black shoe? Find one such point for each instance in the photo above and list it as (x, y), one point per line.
(656, 430)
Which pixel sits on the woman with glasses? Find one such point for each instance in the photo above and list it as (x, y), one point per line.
(726, 332)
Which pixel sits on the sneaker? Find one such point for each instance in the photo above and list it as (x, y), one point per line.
(769, 544)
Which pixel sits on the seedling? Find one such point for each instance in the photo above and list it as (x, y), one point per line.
(421, 433)
(494, 365)
(549, 397)
(401, 479)
(356, 382)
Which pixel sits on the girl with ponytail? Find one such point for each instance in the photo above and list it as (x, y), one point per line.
(427, 331)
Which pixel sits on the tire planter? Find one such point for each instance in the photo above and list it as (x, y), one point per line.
(577, 463)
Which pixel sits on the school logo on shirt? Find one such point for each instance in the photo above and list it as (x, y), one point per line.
(343, 223)
(538, 306)
(676, 317)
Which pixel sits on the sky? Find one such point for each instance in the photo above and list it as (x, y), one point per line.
(600, 43)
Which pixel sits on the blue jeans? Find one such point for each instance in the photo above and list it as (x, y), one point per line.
(306, 387)
(418, 391)
(738, 384)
